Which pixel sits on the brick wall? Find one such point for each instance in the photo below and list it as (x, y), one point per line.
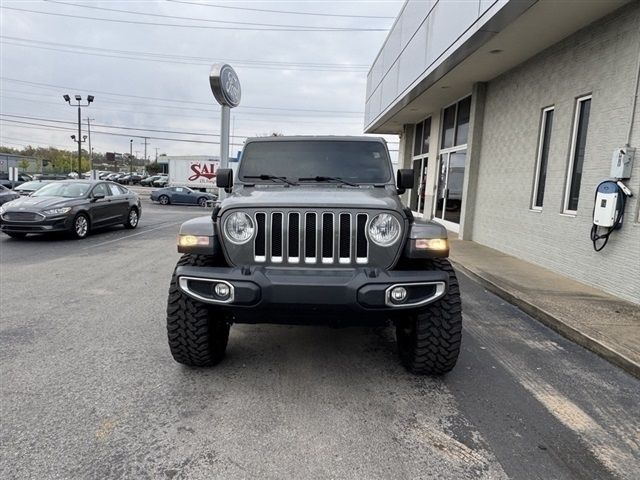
(600, 60)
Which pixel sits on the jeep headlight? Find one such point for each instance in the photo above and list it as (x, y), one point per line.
(238, 227)
(56, 211)
(384, 229)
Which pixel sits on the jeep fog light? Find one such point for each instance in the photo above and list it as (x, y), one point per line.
(432, 244)
(384, 229)
(222, 290)
(399, 294)
(238, 228)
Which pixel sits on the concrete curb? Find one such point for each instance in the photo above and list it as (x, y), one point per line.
(554, 322)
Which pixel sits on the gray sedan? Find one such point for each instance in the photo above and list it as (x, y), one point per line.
(182, 195)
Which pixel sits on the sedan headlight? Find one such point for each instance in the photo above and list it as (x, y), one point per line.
(384, 230)
(238, 228)
(1, 210)
(56, 211)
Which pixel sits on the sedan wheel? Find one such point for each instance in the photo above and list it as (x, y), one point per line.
(132, 219)
(164, 200)
(81, 226)
(202, 202)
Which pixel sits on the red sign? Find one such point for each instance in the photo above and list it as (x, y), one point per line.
(206, 170)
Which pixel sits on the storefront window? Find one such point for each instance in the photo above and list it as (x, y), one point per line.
(417, 139)
(455, 124)
(462, 122)
(448, 125)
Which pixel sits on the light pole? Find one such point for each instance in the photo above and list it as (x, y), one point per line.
(79, 141)
(131, 156)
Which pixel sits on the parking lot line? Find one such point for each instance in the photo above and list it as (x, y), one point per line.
(132, 235)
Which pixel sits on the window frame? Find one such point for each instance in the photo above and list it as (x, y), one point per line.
(420, 154)
(456, 104)
(422, 157)
(536, 179)
(572, 153)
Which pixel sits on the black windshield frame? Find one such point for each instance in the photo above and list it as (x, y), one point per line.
(356, 161)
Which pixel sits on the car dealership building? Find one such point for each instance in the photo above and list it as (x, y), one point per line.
(509, 112)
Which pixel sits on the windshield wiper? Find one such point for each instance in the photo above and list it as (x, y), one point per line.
(327, 179)
(270, 177)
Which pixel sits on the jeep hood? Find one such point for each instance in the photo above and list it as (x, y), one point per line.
(314, 197)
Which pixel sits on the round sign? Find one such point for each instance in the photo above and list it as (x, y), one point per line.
(225, 85)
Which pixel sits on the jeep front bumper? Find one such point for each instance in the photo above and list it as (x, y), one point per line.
(347, 289)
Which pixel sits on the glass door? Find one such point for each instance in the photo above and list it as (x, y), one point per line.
(448, 203)
(419, 181)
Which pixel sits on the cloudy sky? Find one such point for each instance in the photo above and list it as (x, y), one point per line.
(147, 64)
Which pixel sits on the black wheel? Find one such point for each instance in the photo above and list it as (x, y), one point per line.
(202, 201)
(164, 200)
(429, 340)
(80, 226)
(132, 219)
(198, 333)
(16, 235)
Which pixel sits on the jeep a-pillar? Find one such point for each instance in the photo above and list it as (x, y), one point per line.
(312, 232)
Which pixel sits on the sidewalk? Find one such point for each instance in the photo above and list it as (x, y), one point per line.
(600, 322)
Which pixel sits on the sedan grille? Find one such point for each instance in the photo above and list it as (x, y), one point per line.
(311, 238)
(22, 216)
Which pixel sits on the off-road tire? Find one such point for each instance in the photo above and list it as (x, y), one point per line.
(16, 235)
(132, 220)
(197, 333)
(164, 200)
(429, 340)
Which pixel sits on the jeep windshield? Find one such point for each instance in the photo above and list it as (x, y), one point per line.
(320, 161)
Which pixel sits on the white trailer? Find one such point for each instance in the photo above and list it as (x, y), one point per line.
(194, 171)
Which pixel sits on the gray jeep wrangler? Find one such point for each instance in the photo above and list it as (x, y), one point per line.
(313, 231)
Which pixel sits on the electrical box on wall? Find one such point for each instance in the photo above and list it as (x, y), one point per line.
(622, 161)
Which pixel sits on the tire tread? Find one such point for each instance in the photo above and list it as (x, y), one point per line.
(433, 342)
(195, 337)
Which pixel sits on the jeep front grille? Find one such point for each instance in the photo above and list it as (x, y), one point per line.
(302, 237)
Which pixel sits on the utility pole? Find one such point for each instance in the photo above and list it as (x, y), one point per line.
(80, 140)
(145, 148)
(156, 154)
(131, 156)
(90, 149)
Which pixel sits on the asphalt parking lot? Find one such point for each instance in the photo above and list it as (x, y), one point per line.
(89, 389)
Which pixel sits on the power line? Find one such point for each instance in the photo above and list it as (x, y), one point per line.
(42, 126)
(169, 59)
(192, 117)
(210, 104)
(142, 129)
(178, 25)
(288, 12)
(156, 130)
(229, 22)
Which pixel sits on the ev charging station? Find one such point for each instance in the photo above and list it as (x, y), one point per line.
(611, 198)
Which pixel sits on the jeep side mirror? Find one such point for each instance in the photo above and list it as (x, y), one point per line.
(224, 179)
(404, 179)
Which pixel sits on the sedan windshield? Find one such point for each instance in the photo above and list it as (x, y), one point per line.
(31, 186)
(68, 190)
(352, 161)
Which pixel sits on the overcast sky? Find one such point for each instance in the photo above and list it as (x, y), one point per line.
(293, 82)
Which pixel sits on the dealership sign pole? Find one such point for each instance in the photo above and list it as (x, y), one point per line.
(226, 90)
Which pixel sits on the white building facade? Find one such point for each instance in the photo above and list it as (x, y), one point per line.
(509, 112)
